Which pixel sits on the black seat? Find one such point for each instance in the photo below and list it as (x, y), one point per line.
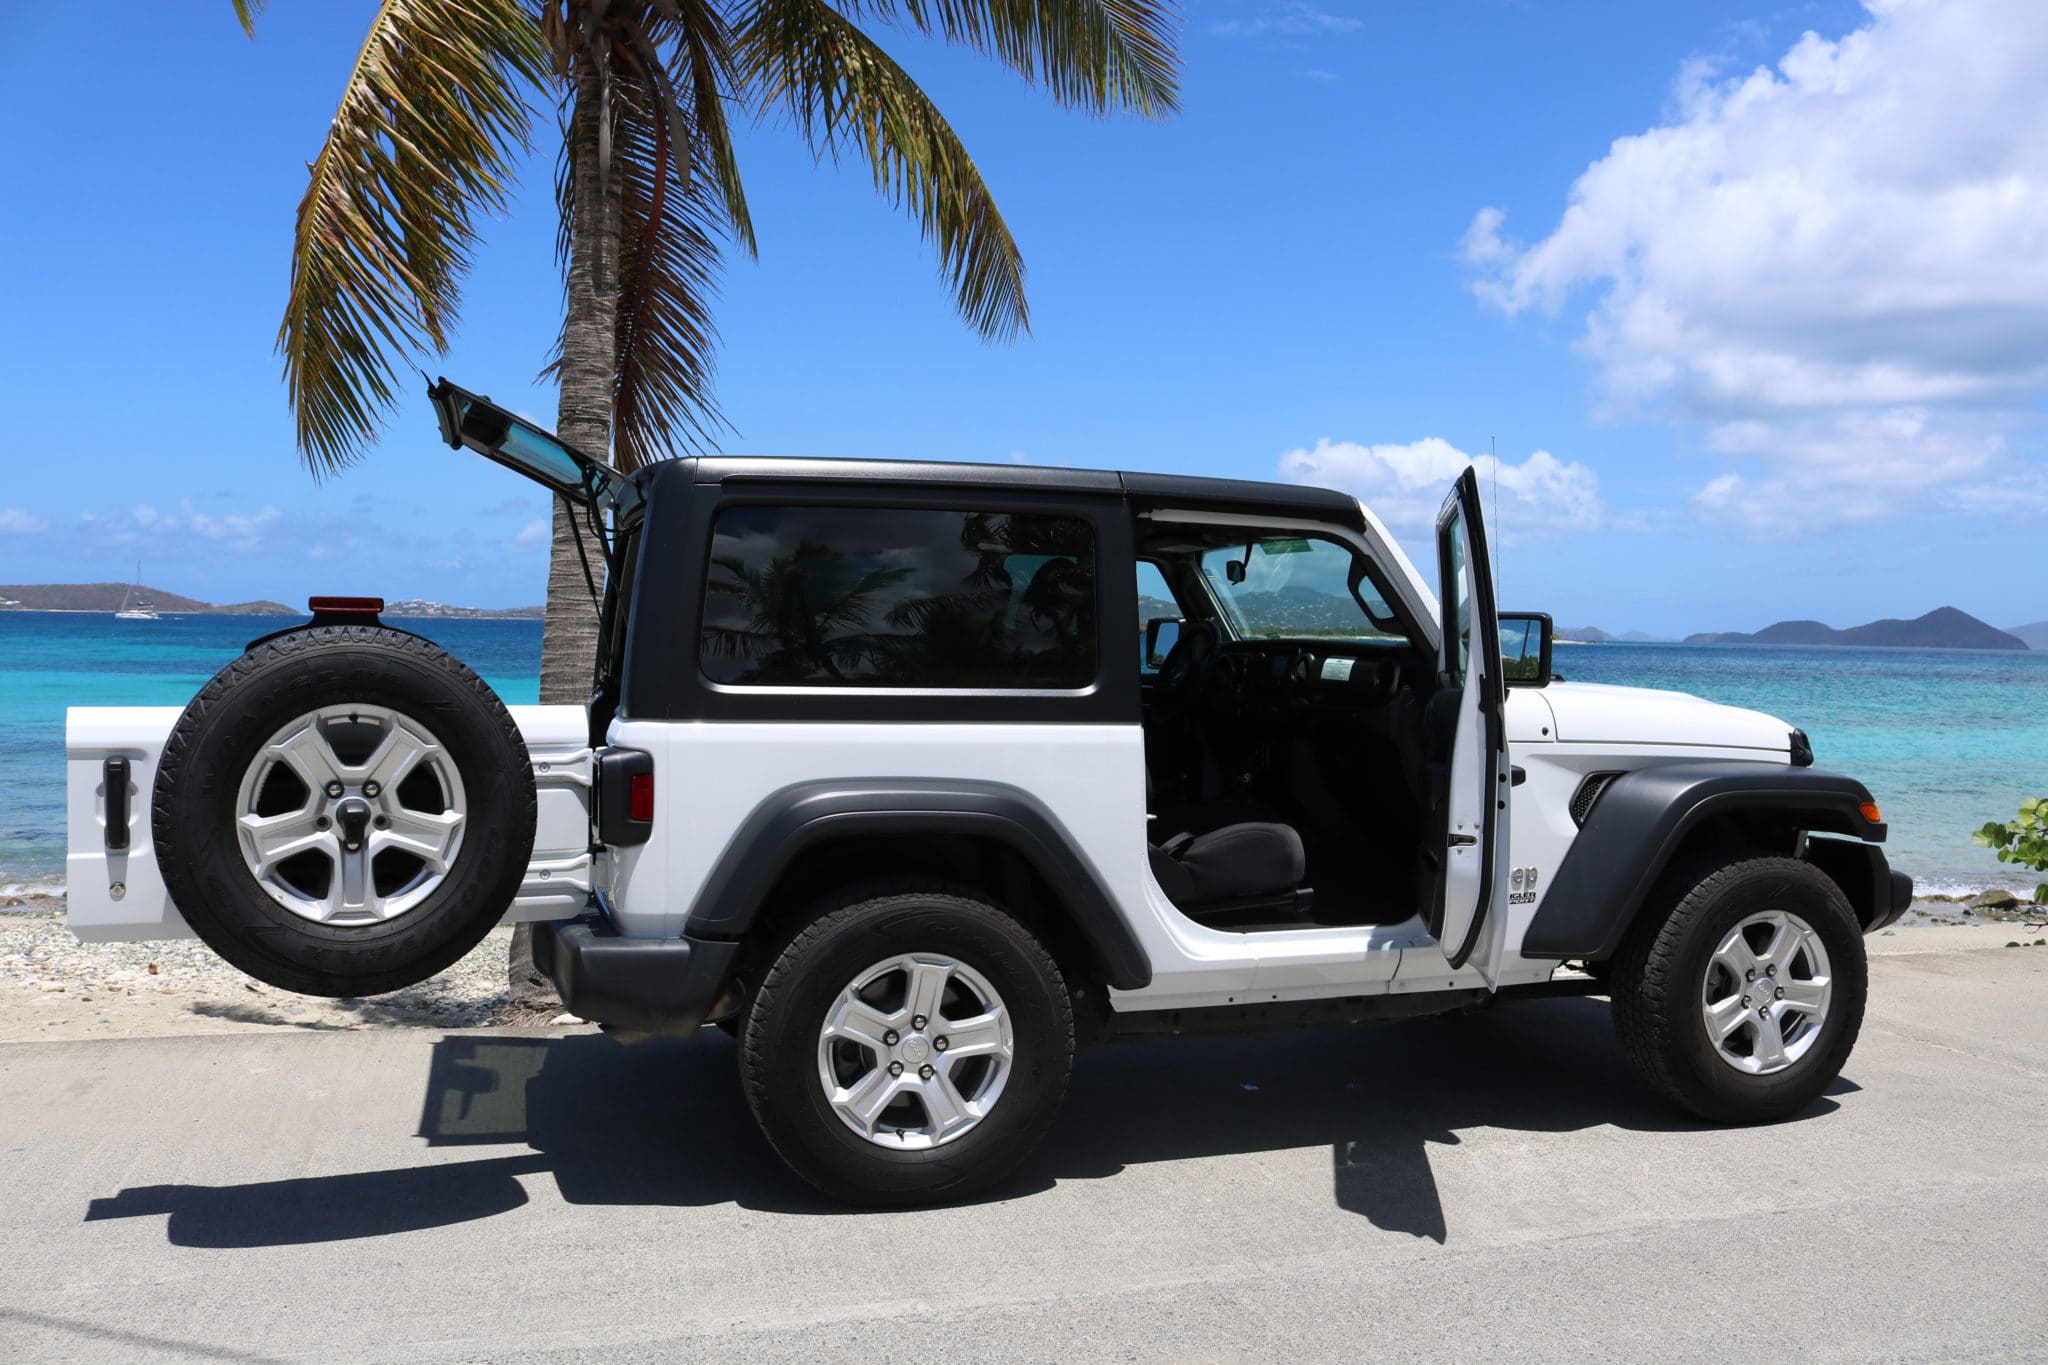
(1236, 867)
(1210, 870)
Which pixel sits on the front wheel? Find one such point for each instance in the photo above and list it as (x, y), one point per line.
(1741, 992)
(907, 1048)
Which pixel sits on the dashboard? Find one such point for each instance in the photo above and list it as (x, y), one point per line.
(1251, 673)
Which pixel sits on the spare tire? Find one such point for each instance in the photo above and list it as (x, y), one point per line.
(343, 810)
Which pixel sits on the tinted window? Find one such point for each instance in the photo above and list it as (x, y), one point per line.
(882, 597)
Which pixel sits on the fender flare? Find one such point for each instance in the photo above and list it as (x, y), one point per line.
(799, 817)
(1639, 822)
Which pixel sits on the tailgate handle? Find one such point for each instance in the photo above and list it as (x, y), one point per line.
(115, 771)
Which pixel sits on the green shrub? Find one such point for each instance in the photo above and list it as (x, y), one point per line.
(2023, 841)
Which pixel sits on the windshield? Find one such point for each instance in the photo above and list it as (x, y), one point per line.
(1298, 587)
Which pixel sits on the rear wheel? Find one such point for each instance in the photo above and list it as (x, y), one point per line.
(908, 1047)
(1740, 993)
(344, 810)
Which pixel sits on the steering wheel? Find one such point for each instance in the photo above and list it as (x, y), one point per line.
(1386, 682)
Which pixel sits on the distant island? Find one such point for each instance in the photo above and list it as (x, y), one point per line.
(1593, 635)
(1942, 628)
(109, 597)
(2036, 634)
(415, 608)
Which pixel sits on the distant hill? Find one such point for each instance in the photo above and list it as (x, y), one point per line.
(1297, 608)
(1154, 609)
(1942, 628)
(2036, 635)
(109, 596)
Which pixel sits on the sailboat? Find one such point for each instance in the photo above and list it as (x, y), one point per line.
(134, 608)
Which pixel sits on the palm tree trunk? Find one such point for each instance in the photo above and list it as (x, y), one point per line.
(568, 649)
(568, 643)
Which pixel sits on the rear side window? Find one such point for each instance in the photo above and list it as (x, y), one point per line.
(899, 597)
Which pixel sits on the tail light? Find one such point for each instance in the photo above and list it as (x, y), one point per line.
(625, 796)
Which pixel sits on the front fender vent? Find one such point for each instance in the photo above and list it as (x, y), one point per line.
(1588, 793)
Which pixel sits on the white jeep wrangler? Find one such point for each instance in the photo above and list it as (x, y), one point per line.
(916, 776)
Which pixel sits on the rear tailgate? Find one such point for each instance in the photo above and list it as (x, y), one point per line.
(113, 890)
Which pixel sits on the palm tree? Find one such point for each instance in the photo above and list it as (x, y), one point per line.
(438, 109)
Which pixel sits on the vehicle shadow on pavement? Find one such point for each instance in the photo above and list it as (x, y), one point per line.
(1377, 1097)
(665, 1122)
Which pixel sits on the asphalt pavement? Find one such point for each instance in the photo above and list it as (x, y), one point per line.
(1494, 1186)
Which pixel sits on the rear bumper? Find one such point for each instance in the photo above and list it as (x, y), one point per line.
(643, 985)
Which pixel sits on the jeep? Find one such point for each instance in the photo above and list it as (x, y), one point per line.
(915, 777)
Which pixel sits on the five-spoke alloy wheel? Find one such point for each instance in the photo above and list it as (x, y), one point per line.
(915, 1051)
(1740, 990)
(1765, 996)
(343, 810)
(906, 1046)
(351, 814)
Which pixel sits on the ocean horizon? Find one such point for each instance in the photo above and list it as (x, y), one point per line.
(1945, 739)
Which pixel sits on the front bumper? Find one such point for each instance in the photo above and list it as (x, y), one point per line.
(641, 985)
(1877, 894)
(1901, 897)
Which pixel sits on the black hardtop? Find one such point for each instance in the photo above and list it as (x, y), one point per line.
(1144, 489)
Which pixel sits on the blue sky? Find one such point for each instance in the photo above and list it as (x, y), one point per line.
(1782, 358)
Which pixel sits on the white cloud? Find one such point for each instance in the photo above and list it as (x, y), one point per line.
(264, 529)
(531, 536)
(1288, 19)
(14, 521)
(240, 530)
(1838, 267)
(1405, 484)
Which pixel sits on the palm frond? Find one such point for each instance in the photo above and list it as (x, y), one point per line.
(246, 11)
(1095, 55)
(839, 87)
(705, 41)
(423, 142)
(681, 202)
(666, 67)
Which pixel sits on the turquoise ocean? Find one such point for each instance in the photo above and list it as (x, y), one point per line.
(1946, 739)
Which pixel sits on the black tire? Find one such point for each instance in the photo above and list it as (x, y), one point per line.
(193, 809)
(1661, 970)
(779, 1045)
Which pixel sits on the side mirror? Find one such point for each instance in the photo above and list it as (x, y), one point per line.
(1525, 640)
(1162, 633)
